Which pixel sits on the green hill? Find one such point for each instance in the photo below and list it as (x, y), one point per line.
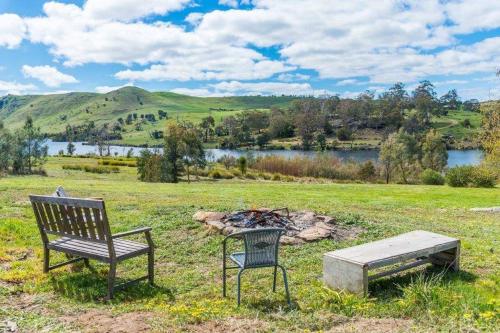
(53, 112)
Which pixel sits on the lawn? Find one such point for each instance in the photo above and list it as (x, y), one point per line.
(187, 295)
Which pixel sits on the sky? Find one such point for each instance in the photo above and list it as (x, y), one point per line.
(250, 47)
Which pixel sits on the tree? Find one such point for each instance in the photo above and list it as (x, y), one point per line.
(490, 137)
(307, 120)
(256, 120)
(30, 147)
(450, 101)
(321, 140)
(399, 152)
(173, 150)
(5, 149)
(434, 152)
(207, 124)
(280, 124)
(193, 152)
(71, 148)
(472, 105)
(262, 140)
(425, 100)
(387, 156)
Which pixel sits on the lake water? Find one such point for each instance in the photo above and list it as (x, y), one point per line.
(455, 157)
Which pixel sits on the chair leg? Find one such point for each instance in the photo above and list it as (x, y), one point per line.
(286, 285)
(223, 281)
(87, 263)
(46, 259)
(239, 286)
(274, 278)
(111, 280)
(151, 267)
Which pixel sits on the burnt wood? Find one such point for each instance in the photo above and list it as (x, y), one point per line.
(83, 231)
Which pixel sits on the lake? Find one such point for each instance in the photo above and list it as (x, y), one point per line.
(455, 157)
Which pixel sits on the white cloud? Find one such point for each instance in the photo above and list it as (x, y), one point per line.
(292, 77)
(126, 10)
(386, 41)
(230, 3)
(15, 88)
(347, 82)
(49, 75)
(107, 89)
(12, 30)
(263, 88)
(197, 92)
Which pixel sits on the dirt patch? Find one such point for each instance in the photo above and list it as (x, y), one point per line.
(105, 322)
(373, 325)
(233, 325)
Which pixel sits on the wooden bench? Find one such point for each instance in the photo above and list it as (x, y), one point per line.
(82, 230)
(348, 268)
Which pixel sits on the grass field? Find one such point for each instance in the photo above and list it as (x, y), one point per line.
(188, 259)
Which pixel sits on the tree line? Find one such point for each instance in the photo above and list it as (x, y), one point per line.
(315, 119)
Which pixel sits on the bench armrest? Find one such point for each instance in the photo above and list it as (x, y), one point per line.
(132, 232)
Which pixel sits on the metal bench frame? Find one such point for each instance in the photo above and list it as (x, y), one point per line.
(85, 222)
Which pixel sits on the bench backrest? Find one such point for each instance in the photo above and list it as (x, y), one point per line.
(71, 217)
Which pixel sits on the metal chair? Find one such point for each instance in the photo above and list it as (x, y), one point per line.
(261, 250)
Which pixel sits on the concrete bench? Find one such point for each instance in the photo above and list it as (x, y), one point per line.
(348, 268)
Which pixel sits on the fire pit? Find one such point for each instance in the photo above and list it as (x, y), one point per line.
(302, 226)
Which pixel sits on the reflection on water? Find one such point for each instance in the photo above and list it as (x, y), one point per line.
(455, 157)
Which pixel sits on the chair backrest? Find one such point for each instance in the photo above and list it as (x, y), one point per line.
(71, 217)
(261, 246)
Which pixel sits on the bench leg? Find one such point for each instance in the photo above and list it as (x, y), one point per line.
(111, 280)
(344, 275)
(46, 260)
(151, 267)
(447, 259)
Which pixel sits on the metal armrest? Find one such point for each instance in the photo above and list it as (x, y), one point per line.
(132, 232)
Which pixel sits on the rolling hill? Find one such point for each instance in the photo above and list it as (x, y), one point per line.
(53, 112)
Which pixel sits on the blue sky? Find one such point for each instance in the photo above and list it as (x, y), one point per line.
(240, 47)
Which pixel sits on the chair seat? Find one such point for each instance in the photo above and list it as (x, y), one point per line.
(238, 258)
(123, 248)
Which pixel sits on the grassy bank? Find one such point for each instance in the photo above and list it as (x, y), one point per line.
(188, 258)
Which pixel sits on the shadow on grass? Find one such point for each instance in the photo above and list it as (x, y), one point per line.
(392, 287)
(89, 286)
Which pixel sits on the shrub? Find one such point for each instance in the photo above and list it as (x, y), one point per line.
(250, 175)
(236, 172)
(220, 174)
(72, 167)
(367, 170)
(276, 177)
(215, 174)
(460, 176)
(100, 169)
(483, 177)
(242, 164)
(431, 177)
(344, 134)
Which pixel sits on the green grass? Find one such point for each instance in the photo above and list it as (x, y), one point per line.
(452, 124)
(188, 256)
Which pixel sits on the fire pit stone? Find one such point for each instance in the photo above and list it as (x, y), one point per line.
(302, 226)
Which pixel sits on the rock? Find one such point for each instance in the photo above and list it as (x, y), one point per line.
(202, 216)
(286, 240)
(228, 230)
(488, 209)
(314, 233)
(325, 219)
(216, 224)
